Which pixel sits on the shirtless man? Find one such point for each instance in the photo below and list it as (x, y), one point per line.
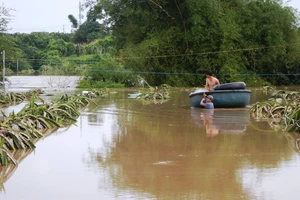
(211, 81)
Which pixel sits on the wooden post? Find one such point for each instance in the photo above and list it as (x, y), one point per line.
(17, 67)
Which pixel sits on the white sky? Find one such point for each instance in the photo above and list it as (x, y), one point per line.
(42, 15)
(52, 15)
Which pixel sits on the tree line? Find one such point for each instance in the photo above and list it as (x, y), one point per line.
(173, 42)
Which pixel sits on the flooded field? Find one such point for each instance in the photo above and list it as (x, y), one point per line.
(124, 149)
(44, 82)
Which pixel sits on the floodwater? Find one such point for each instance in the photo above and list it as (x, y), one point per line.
(124, 149)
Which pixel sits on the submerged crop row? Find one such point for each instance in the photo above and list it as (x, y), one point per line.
(12, 98)
(282, 109)
(36, 120)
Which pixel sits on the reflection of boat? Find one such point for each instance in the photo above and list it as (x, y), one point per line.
(230, 121)
(229, 95)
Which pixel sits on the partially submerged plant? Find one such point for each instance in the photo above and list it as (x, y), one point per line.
(5, 156)
(282, 108)
(12, 98)
(36, 120)
(158, 95)
(153, 94)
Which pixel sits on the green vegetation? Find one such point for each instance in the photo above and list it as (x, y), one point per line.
(5, 17)
(12, 98)
(154, 95)
(38, 119)
(282, 109)
(166, 42)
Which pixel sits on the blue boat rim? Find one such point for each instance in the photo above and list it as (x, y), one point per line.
(219, 91)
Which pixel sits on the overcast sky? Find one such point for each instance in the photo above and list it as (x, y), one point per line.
(41, 15)
(52, 15)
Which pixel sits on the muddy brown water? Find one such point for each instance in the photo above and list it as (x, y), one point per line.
(124, 149)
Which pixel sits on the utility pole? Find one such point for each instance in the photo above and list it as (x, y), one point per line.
(79, 17)
(17, 67)
(3, 69)
(81, 9)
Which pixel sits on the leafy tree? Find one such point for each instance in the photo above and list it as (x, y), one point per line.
(88, 31)
(74, 21)
(33, 46)
(168, 38)
(271, 29)
(8, 43)
(5, 17)
(58, 45)
(42, 48)
(91, 29)
(67, 37)
(12, 51)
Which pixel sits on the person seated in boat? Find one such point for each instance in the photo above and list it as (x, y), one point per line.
(211, 81)
(206, 102)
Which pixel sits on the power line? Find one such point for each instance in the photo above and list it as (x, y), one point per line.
(172, 55)
(163, 73)
(211, 52)
(55, 28)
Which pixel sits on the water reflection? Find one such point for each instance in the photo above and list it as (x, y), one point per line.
(7, 171)
(221, 121)
(294, 141)
(207, 118)
(122, 149)
(166, 154)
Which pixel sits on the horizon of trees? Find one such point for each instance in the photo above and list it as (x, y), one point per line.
(174, 42)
